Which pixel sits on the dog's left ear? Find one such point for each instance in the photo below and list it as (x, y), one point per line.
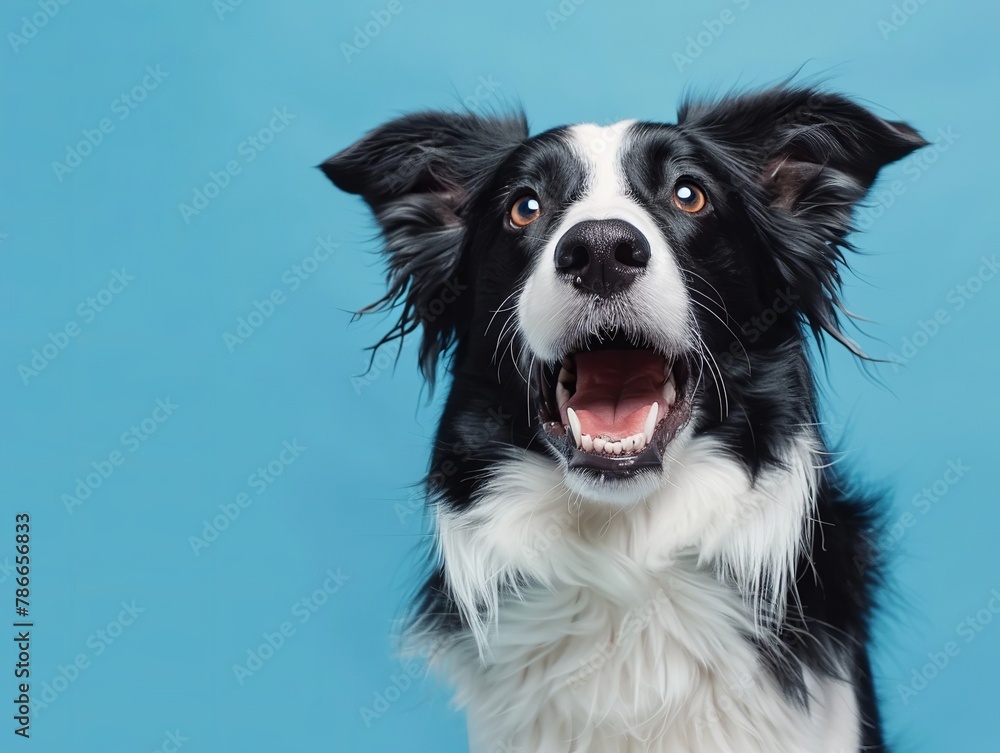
(418, 174)
(804, 158)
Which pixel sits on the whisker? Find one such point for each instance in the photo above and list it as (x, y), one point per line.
(735, 338)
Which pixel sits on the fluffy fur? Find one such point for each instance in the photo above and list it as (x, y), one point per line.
(713, 591)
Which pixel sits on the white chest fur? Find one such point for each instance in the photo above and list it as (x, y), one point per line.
(626, 642)
(572, 672)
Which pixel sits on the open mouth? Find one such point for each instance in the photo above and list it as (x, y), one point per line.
(613, 405)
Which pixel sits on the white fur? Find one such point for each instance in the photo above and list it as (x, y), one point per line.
(599, 629)
(551, 313)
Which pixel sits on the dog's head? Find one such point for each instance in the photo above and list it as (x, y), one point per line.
(631, 284)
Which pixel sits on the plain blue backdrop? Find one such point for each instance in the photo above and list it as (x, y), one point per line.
(251, 489)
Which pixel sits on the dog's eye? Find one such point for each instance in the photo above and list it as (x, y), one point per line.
(688, 197)
(526, 210)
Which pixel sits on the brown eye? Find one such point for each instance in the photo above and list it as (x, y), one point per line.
(688, 197)
(526, 210)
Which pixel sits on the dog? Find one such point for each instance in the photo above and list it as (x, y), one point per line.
(641, 540)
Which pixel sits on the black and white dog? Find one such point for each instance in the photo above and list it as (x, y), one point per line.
(641, 543)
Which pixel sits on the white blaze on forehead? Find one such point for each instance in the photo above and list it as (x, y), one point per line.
(552, 314)
(600, 148)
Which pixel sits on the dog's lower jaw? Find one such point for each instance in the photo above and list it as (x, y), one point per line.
(606, 630)
(619, 493)
(623, 493)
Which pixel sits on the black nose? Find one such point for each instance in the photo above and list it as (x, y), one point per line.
(602, 256)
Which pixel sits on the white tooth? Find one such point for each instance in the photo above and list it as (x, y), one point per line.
(562, 394)
(651, 422)
(638, 442)
(599, 443)
(588, 442)
(616, 448)
(574, 423)
(669, 392)
(627, 444)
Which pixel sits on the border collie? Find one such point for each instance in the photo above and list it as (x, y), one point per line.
(641, 541)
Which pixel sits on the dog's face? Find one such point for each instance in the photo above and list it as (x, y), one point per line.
(631, 284)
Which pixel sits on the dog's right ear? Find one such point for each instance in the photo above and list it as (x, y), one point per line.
(418, 174)
(804, 158)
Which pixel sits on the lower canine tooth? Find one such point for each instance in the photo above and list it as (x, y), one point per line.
(574, 424)
(651, 422)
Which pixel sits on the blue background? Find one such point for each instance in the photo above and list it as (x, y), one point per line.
(344, 503)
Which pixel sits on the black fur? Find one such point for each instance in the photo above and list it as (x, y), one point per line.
(784, 168)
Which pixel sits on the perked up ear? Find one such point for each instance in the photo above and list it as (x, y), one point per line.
(418, 174)
(803, 159)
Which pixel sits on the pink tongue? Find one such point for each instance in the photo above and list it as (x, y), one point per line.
(615, 390)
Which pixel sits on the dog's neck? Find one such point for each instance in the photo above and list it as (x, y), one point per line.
(526, 528)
